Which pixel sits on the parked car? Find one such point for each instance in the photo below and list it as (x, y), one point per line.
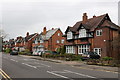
(50, 52)
(37, 53)
(90, 55)
(14, 52)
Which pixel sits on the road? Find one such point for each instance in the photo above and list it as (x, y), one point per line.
(25, 68)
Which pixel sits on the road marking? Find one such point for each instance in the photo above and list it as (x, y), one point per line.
(79, 74)
(13, 60)
(58, 75)
(96, 69)
(29, 65)
(4, 75)
(45, 65)
(59, 71)
(42, 64)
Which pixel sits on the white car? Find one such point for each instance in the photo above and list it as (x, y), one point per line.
(37, 53)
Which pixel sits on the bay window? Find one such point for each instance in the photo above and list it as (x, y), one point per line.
(70, 49)
(83, 48)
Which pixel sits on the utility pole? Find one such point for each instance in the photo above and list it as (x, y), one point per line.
(0, 44)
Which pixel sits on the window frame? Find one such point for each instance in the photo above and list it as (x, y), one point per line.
(69, 35)
(82, 33)
(99, 32)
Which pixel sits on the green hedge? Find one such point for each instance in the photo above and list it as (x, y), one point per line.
(8, 50)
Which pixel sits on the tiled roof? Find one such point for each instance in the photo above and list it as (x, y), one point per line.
(49, 34)
(94, 22)
(29, 37)
(90, 23)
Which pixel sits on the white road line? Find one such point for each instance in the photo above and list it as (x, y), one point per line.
(58, 75)
(42, 64)
(29, 65)
(13, 60)
(45, 65)
(80, 74)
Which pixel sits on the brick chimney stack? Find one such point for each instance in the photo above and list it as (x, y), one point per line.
(85, 17)
(27, 34)
(44, 30)
(94, 16)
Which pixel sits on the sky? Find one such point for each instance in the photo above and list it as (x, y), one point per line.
(21, 16)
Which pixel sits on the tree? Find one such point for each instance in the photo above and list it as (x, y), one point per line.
(3, 34)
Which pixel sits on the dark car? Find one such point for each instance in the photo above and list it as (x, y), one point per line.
(90, 55)
(14, 52)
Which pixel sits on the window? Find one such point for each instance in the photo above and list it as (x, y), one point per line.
(98, 32)
(58, 34)
(41, 41)
(83, 48)
(36, 41)
(82, 33)
(58, 41)
(70, 49)
(69, 35)
(98, 51)
(62, 41)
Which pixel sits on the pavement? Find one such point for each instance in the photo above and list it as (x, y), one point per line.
(78, 64)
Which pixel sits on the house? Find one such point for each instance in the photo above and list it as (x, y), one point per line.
(29, 40)
(19, 43)
(49, 40)
(96, 34)
(22, 43)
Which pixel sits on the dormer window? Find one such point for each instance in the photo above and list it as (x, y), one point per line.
(69, 35)
(82, 33)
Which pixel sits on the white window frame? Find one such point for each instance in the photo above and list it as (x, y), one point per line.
(98, 51)
(62, 41)
(99, 32)
(83, 48)
(70, 49)
(41, 41)
(82, 33)
(69, 35)
(57, 41)
(58, 34)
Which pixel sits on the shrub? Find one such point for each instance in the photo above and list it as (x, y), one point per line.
(8, 50)
(107, 58)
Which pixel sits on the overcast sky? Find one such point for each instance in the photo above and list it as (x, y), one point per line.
(21, 16)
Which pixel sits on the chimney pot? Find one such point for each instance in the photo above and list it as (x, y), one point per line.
(52, 28)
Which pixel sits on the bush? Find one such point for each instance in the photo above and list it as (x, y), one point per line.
(107, 58)
(8, 50)
(25, 52)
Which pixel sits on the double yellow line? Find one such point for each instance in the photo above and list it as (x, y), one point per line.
(5, 76)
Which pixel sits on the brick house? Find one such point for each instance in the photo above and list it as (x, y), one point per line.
(95, 34)
(19, 43)
(22, 43)
(49, 40)
(28, 40)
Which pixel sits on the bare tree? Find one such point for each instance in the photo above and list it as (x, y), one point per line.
(3, 34)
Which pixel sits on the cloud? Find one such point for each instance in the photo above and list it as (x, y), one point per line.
(20, 16)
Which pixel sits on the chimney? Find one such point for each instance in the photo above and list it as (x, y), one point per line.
(27, 34)
(85, 17)
(94, 16)
(52, 28)
(44, 30)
